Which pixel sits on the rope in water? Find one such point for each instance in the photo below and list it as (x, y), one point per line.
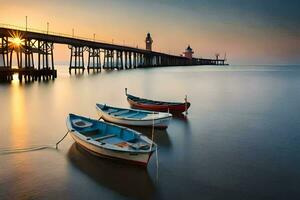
(4, 151)
(152, 139)
(20, 150)
(156, 154)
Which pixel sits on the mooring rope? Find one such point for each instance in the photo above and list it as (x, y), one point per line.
(156, 154)
(56, 145)
(186, 108)
(21, 150)
(4, 151)
(152, 139)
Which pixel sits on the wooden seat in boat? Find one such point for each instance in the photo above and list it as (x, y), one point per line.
(122, 144)
(131, 115)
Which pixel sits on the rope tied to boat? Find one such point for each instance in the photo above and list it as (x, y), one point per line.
(4, 151)
(56, 145)
(152, 133)
(156, 155)
(152, 139)
(186, 105)
(21, 150)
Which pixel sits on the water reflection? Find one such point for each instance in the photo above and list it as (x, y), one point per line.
(180, 116)
(18, 117)
(182, 121)
(160, 136)
(93, 72)
(127, 180)
(20, 80)
(79, 74)
(228, 146)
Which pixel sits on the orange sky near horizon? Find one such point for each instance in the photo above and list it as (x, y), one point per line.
(172, 29)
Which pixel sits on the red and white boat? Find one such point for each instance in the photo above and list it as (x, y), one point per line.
(160, 106)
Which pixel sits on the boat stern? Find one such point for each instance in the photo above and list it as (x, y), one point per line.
(99, 108)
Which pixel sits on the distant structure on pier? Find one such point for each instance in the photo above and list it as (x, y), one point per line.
(28, 44)
(188, 53)
(149, 42)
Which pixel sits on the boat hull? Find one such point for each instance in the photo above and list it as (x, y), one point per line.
(176, 109)
(134, 158)
(161, 123)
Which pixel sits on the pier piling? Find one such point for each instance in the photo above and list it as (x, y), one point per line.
(32, 42)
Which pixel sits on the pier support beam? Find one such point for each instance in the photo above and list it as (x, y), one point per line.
(28, 55)
(25, 60)
(108, 62)
(26, 65)
(130, 60)
(94, 60)
(134, 60)
(5, 60)
(141, 60)
(148, 60)
(138, 60)
(105, 59)
(157, 62)
(76, 58)
(111, 59)
(45, 60)
(45, 55)
(119, 60)
(126, 59)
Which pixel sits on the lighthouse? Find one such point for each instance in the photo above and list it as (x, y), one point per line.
(188, 52)
(149, 42)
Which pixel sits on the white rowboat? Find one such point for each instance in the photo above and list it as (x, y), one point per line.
(110, 141)
(133, 117)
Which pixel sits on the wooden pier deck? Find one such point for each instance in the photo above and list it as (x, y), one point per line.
(101, 55)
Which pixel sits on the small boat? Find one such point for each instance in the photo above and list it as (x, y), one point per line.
(160, 106)
(110, 141)
(133, 117)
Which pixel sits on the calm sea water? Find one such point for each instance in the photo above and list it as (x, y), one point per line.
(241, 139)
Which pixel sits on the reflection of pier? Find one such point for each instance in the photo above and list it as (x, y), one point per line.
(31, 45)
(29, 74)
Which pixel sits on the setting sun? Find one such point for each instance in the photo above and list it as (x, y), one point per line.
(17, 41)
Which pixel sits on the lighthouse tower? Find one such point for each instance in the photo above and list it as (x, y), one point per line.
(188, 52)
(149, 42)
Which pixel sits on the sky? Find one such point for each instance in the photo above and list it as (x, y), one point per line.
(249, 32)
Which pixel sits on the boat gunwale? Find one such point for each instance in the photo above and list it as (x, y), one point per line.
(143, 164)
(111, 146)
(167, 104)
(118, 149)
(135, 119)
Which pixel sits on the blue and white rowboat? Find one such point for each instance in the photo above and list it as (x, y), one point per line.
(109, 140)
(133, 117)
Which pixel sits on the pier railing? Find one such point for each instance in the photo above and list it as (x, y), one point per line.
(101, 54)
(20, 28)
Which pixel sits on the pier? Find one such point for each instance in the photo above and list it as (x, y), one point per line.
(24, 43)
